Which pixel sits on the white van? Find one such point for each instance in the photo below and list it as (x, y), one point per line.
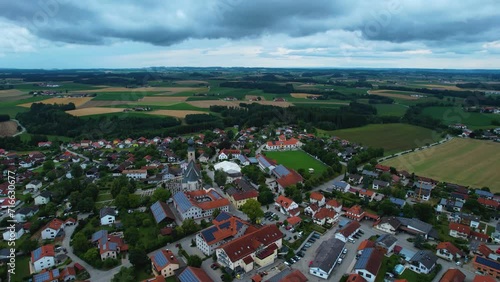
(351, 240)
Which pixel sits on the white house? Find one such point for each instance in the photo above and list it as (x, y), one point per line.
(423, 262)
(51, 230)
(369, 264)
(341, 186)
(285, 205)
(317, 198)
(43, 258)
(325, 216)
(107, 216)
(43, 198)
(164, 263)
(388, 225)
(379, 184)
(135, 173)
(24, 213)
(228, 154)
(348, 231)
(34, 185)
(334, 205)
(448, 251)
(13, 234)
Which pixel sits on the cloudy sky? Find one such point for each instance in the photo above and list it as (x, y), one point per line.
(268, 33)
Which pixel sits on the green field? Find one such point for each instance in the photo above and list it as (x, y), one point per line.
(467, 162)
(395, 137)
(390, 110)
(123, 96)
(296, 160)
(451, 115)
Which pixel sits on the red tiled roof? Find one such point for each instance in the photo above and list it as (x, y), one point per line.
(247, 244)
(366, 244)
(452, 249)
(488, 202)
(317, 196)
(483, 278)
(55, 224)
(248, 260)
(168, 254)
(324, 213)
(47, 251)
(294, 276)
(333, 203)
(374, 262)
(453, 275)
(284, 201)
(355, 278)
(158, 278)
(356, 210)
(290, 179)
(484, 250)
(230, 151)
(208, 205)
(245, 195)
(282, 142)
(483, 236)
(269, 250)
(294, 220)
(382, 167)
(459, 228)
(350, 228)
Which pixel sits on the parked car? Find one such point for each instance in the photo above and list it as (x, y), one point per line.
(300, 254)
(307, 245)
(287, 263)
(296, 258)
(304, 249)
(498, 251)
(339, 261)
(344, 251)
(352, 240)
(316, 235)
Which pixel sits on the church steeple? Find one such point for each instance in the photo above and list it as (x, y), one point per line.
(190, 150)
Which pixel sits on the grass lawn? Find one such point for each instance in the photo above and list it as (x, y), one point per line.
(409, 275)
(390, 110)
(104, 197)
(451, 115)
(22, 269)
(296, 160)
(463, 161)
(388, 264)
(395, 137)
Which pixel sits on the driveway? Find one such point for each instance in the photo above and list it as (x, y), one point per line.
(95, 274)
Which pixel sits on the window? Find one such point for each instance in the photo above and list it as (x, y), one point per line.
(368, 275)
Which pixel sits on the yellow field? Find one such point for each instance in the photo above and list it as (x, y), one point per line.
(303, 95)
(443, 86)
(8, 128)
(467, 162)
(175, 113)
(93, 111)
(392, 94)
(94, 103)
(170, 90)
(77, 101)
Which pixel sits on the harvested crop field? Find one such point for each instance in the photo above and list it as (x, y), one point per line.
(77, 101)
(441, 86)
(8, 128)
(174, 113)
(189, 82)
(10, 93)
(98, 103)
(208, 103)
(169, 90)
(94, 111)
(467, 162)
(303, 95)
(394, 94)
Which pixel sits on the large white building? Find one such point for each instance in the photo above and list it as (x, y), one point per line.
(326, 258)
(43, 258)
(199, 203)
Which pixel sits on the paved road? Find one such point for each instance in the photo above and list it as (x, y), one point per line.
(23, 129)
(95, 274)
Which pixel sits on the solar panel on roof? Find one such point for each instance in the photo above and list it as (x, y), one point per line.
(488, 262)
(225, 225)
(188, 276)
(281, 170)
(182, 201)
(41, 277)
(55, 272)
(158, 212)
(37, 253)
(215, 194)
(364, 258)
(239, 224)
(160, 259)
(223, 216)
(208, 234)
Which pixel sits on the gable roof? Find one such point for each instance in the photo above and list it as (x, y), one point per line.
(354, 277)
(225, 226)
(211, 199)
(453, 275)
(425, 257)
(317, 196)
(284, 201)
(107, 211)
(290, 179)
(43, 251)
(350, 228)
(324, 213)
(293, 220)
(327, 254)
(370, 260)
(452, 249)
(487, 262)
(98, 235)
(366, 244)
(243, 195)
(386, 240)
(55, 224)
(483, 278)
(333, 203)
(193, 274)
(162, 258)
(356, 209)
(161, 211)
(288, 275)
(245, 245)
(459, 228)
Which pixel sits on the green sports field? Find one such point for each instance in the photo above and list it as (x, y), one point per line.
(462, 161)
(394, 137)
(296, 160)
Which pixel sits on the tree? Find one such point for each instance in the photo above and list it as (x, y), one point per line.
(194, 261)
(80, 243)
(160, 195)
(266, 196)
(419, 242)
(126, 274)
(220, 177)
(216, 212)
(230, 134)
(138, 258)
(28, 246)
(408, 211)
(189, 226)
(91, 255)
(252, 209)
(76, 171)
(424, 212)
(48, 165)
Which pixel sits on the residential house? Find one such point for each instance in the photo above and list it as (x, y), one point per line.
(470, 220)
(283, 144)
(199, 203)
(161, 211)
(164, 263)
(459, 230)
(68, 274)
(484, 194)
(225, 227)
(355, 178)
(326, 258)
(107, 216)
(293, 221)
(135, 173)
(52, 229)
(449, 205)
(353, 277)
(422, 192)
(111, 246)
(346, 232)
(287, 275)
(487, 266)
(325, 216)
(14, 233)
(317, 198)
(453, 275)
(311, 210)
(423, 261)
(369, 264)
(193, 274)
(400, 203)
(285, 177)
(228, 154)
(52, 275)
(239, 198)
(258, 247)
(341, 186)
(356, 212)
(491, 204)
(379, 184)
(479, 236)
(368, 173)
(43, 258)
(24, 213)
(483, 278)
(448, 251)
(285, 205)
(388, 224)
(386, 243)
(43, 198)
(334, 205)
(34, 185)
(204, 158)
